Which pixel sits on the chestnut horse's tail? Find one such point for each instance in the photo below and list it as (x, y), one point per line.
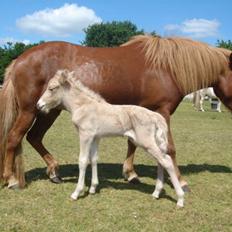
(8, 114)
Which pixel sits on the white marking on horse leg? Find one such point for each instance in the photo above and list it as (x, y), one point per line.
(219, 106)
(13, 182)
(159, 182)
(85, 145)
(201, 103)
(93, 160)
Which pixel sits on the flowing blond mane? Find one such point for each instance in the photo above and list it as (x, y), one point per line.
(192, 64)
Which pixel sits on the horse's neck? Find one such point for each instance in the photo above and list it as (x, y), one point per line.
(74, 99)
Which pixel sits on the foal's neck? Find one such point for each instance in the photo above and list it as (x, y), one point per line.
(73, 99)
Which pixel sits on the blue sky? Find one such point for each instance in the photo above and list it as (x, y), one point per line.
(30, 21)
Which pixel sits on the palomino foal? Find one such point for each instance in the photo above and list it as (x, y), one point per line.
(95, 118)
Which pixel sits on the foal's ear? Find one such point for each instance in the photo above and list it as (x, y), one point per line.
(230, 62)
(71, 76)
(63, 76)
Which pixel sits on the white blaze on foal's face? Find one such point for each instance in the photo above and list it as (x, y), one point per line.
(51, 98)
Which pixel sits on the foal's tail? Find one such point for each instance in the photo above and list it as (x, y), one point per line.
(161, 134)
(8, 114)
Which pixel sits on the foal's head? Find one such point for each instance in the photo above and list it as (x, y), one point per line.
(52, 97)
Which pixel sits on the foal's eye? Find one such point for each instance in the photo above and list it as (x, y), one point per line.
(51, 89)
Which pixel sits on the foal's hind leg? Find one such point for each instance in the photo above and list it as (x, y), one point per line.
(128, 166)
(172, 150)
(166, 161)
(14, 139)
(35, 136)
(160, 181)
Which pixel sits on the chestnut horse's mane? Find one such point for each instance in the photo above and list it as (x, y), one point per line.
(193, 64)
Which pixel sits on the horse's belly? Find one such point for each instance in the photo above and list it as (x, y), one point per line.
(107, 129)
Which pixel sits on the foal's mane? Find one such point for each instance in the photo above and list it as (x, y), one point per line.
(192, 64)
(77, 84)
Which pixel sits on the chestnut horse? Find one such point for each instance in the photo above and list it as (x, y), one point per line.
(148, 71)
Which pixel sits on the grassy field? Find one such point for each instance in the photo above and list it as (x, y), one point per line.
(204, 146)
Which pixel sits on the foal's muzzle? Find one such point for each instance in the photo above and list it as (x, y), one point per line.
(40, 105)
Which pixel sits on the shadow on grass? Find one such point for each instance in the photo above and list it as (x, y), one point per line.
(109, 171)
(110, 175)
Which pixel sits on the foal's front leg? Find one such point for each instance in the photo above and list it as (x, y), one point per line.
(85, 147)
(93, 160)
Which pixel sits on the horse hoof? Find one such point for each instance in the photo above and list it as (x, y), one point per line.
(56, 180)
(134, 180)
(155, 195)
(92, 190)
(74, 196)
(14, 187)
(179, 206)
(186, 189)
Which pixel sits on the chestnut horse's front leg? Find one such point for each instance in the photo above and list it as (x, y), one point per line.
(35, 136)
(14, 176)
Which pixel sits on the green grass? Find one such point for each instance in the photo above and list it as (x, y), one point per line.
(204, 145)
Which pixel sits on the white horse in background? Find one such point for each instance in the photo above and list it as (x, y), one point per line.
(199, 97)
(95, 118)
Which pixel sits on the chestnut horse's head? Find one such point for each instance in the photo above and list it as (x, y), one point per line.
(52, 97)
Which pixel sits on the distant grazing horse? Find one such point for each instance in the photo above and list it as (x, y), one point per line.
(199, 97)
(148, 71)
(94, 118)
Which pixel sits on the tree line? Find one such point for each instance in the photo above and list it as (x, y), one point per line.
(108, 34)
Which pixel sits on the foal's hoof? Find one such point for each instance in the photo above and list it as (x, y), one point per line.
(156, 195)
(56, 180)
(186, 189)
(180, 204)
(92, 190)
(74, 196)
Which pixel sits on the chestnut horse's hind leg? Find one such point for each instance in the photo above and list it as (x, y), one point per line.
(128, 167)
(14, 139)
(35, 136)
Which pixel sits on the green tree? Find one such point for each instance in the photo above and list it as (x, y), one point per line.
(110, 34)
(224, 44)
(10, 52)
